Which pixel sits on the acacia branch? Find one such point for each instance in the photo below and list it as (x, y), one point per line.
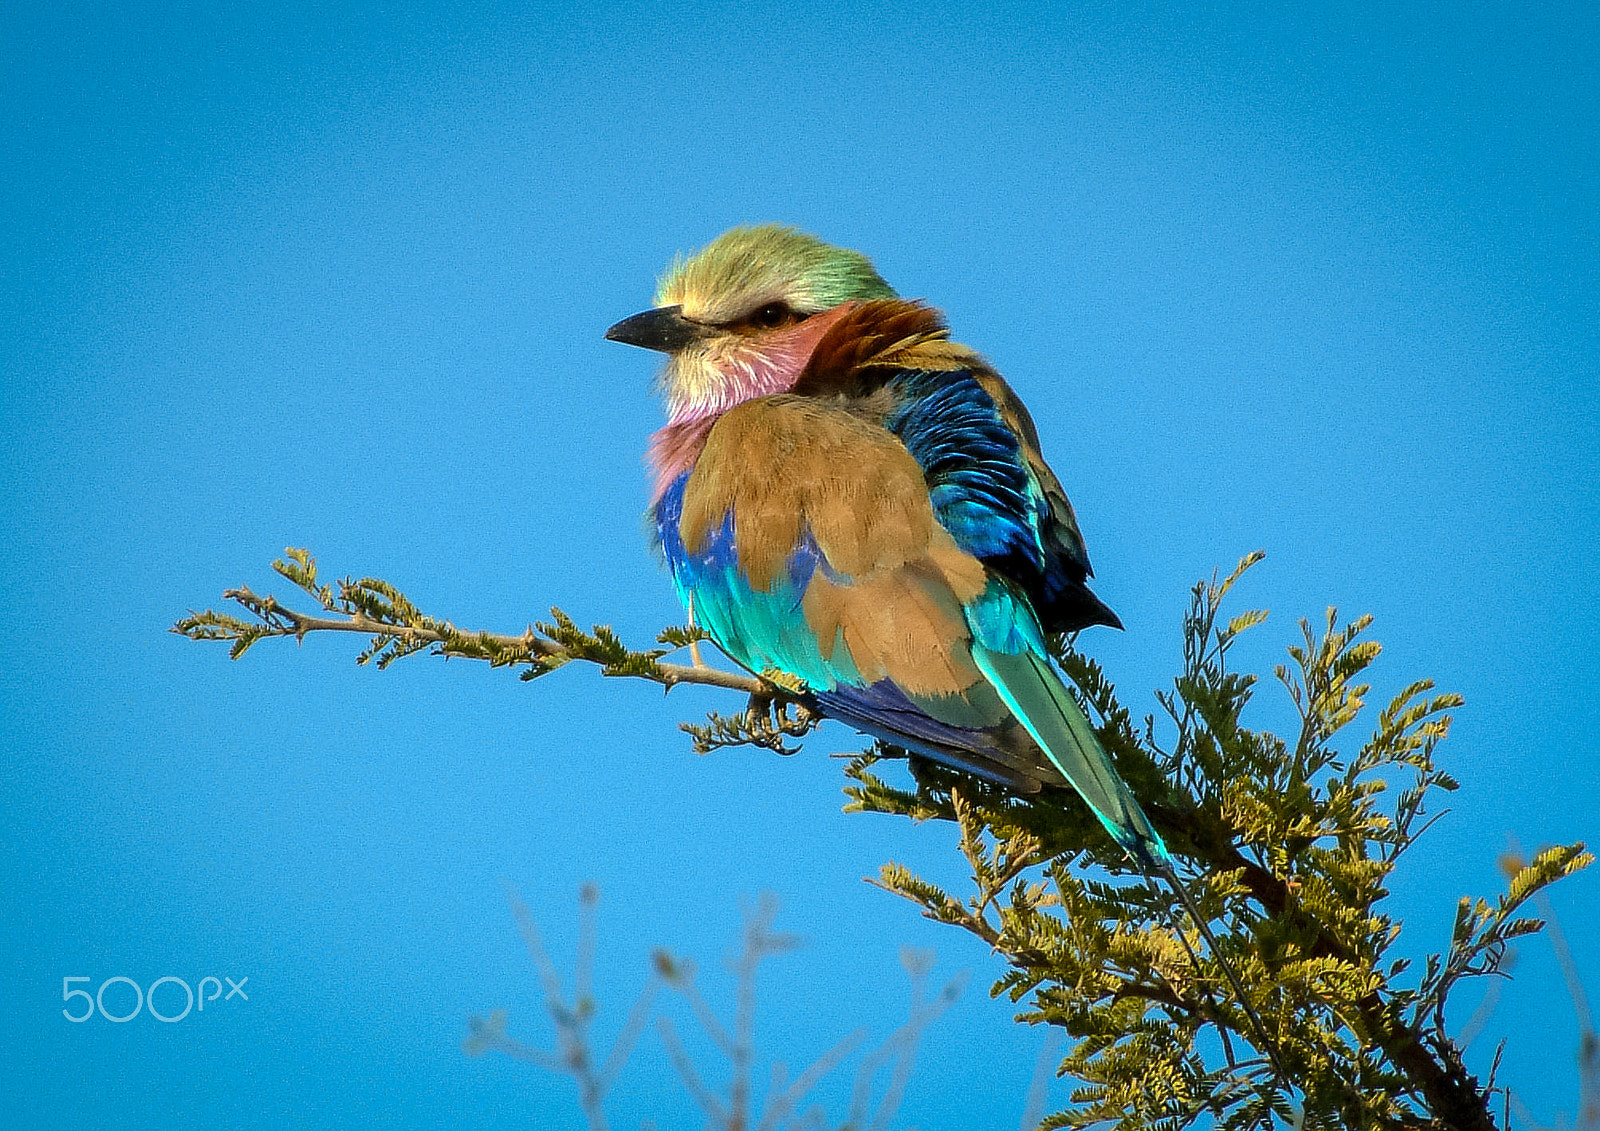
(477, 645)
(1290, 846)
(376, 609)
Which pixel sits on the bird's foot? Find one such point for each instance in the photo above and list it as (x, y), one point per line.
(768, 720)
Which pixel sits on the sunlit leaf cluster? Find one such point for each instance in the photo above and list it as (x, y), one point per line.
(1288, 844)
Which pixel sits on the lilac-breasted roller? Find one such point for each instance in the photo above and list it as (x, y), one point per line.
(853, 504)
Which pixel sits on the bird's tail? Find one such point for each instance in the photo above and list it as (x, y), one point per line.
(1258, 1028)
(1029, 686)
(1040, 701)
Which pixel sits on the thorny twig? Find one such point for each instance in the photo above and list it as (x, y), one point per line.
(1039, 1086)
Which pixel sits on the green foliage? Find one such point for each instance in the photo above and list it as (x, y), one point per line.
(399, 629)
(1289, 844)
(598, 647)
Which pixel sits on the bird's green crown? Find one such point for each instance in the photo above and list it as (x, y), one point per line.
(747, 267)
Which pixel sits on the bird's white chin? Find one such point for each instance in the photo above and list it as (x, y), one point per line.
(706, 381)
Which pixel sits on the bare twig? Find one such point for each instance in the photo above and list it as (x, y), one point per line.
(1039, 1087)
(572, 1020)
(717, 1115)
(784, 1096)
(784, 1099)
(900, 1047)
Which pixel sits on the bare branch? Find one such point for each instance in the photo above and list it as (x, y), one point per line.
(572, 1020)
(709, 1103)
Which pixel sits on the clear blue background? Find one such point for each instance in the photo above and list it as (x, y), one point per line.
(1322, 282)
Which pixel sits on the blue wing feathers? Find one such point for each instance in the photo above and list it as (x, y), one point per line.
(761, 629)
(976, 475)
(1001, 621)
(984, 494)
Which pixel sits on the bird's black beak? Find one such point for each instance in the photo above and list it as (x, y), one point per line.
(664, 328)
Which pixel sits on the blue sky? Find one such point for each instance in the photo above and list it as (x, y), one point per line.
(1323, 283)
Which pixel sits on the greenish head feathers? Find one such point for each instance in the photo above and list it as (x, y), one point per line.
(746, 268)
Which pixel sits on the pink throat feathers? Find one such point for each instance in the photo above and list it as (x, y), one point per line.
(768, 365)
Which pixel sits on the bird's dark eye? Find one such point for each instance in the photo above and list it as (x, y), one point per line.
(772, 315)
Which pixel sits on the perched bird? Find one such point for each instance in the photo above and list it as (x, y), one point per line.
(855, 506)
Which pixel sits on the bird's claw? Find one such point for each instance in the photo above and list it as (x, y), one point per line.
(768, 719)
